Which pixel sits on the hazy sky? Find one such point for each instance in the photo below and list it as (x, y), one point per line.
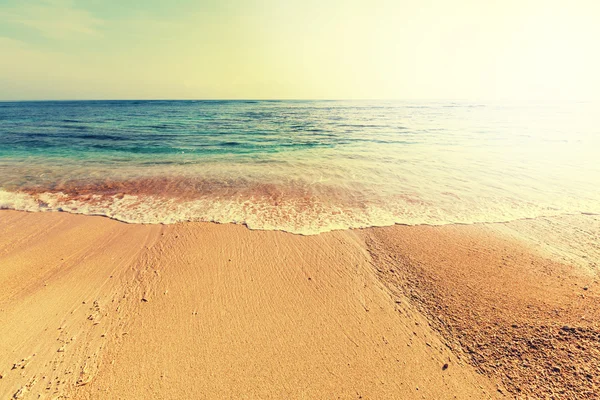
(462, 49)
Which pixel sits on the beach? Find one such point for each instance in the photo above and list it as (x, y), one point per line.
(299, 200)
(96, 308)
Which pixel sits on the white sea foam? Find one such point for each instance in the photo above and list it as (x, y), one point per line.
(262, 215)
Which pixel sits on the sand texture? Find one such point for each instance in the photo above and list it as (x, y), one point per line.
(510, 307)
(97, 309)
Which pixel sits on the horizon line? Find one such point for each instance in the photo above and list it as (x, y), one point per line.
(298, 99)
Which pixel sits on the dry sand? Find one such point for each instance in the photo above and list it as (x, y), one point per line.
(92, 308)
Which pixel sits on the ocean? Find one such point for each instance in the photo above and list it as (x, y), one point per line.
(301, 166)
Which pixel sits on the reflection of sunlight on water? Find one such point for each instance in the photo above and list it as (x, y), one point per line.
(308, 167)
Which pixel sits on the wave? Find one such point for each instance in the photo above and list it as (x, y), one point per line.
(304, 216)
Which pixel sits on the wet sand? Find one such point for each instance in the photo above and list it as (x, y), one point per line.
(95, 308)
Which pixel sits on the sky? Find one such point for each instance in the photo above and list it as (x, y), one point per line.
(298, 49)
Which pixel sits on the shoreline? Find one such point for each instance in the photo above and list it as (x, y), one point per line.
(578, 227)
(245, 224)
(212, 310)
(269, 211)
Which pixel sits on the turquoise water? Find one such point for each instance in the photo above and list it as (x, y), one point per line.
(301, 166)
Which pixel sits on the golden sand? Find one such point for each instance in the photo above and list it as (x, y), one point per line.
(91, 308)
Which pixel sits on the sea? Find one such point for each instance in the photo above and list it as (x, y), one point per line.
(303, 167)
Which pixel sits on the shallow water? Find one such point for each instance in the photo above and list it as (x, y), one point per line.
(301, 166)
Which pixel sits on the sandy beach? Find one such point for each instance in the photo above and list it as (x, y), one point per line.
(93, 308)
(299, 200)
